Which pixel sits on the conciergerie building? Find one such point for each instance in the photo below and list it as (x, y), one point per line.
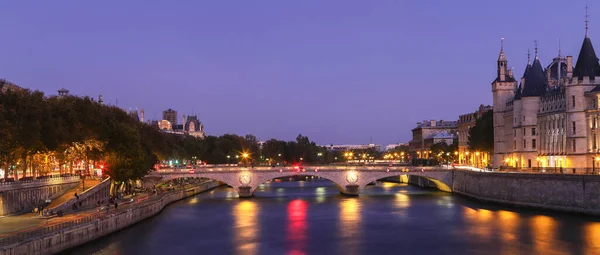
(549, 118)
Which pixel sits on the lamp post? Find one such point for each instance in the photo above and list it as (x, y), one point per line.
(467, 159)
(245, 157)
(538, 163)
(477, 159)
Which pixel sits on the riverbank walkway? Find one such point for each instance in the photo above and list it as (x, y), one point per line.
(15, 223)
(16, 228)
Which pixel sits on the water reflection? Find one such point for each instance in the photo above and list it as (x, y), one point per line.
(349, 227)
(592, 240)
(388, 219)
(480, 223)
(508, 223)
(296, 226)
(544, 230)
(247, 228)
(321, 194)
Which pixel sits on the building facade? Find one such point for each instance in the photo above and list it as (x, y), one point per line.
(549, 120)
(430, 132)
(465, 123)
(170, 115)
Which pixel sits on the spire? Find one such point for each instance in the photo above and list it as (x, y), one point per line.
(536, 49)
(559, 50)
(528, 57)
(502, 56)
(587, 21)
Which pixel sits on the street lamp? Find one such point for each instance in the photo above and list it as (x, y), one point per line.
(245, 157)
(538, 162)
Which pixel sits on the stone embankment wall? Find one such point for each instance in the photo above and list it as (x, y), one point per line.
(23, 197)
(77, 235)
(87, 199)
(558, 192)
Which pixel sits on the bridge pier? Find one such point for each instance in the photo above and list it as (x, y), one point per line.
(351, 190)
(244, 192)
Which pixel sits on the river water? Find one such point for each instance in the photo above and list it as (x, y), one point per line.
(311, 217)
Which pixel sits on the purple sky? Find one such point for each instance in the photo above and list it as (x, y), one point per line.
(336, 71)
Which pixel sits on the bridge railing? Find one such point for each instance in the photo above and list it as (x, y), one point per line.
(297, 169)
(53, 180)
(50, 179)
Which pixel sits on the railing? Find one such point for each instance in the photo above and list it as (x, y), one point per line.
(50, 229)
(298, 169)
(552, 170)
(44, 231)
(65, 207)
(51, 179)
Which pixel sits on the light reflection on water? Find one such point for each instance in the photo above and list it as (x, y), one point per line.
(311, 217)
(245, 213)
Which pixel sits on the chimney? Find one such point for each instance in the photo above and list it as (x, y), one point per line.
(142, 115)
(569, 67)
(433, 123)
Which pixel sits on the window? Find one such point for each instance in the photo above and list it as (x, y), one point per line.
(524, 144)
(594, 144)
(573, 101)
(532, 131)
(533, 144)
(514, 132)
(515, 144)
(524, 131)
(574, 128)
(574, 145)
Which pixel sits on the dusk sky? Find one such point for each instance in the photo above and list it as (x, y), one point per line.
(337, 71)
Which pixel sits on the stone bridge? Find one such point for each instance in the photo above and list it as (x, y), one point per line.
(350, 180)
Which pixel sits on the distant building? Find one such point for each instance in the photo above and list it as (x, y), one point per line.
(394, 145)
(63, 92)
(6, 86)
(170, 115)
(465, 123)
(193, 126)
(348, 147)
(430, 132)
(165, 125)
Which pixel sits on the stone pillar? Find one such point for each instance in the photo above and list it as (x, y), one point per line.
(244, 191)
(351, 190)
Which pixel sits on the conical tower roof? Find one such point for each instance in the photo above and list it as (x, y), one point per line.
(535, 80)
(587, 62)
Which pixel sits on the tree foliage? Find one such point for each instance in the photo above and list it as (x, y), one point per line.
(481, 136)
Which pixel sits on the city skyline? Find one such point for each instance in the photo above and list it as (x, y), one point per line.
(239, 66)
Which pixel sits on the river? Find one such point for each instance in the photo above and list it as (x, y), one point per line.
(311, 217)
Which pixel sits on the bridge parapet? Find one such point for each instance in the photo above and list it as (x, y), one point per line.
(350, 180)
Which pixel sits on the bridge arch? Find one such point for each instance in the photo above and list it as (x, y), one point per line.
(263, 180)
(442, 179)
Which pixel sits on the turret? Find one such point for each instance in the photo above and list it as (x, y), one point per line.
(502, 64)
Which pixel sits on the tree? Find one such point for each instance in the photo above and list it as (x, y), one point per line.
(481, 136)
